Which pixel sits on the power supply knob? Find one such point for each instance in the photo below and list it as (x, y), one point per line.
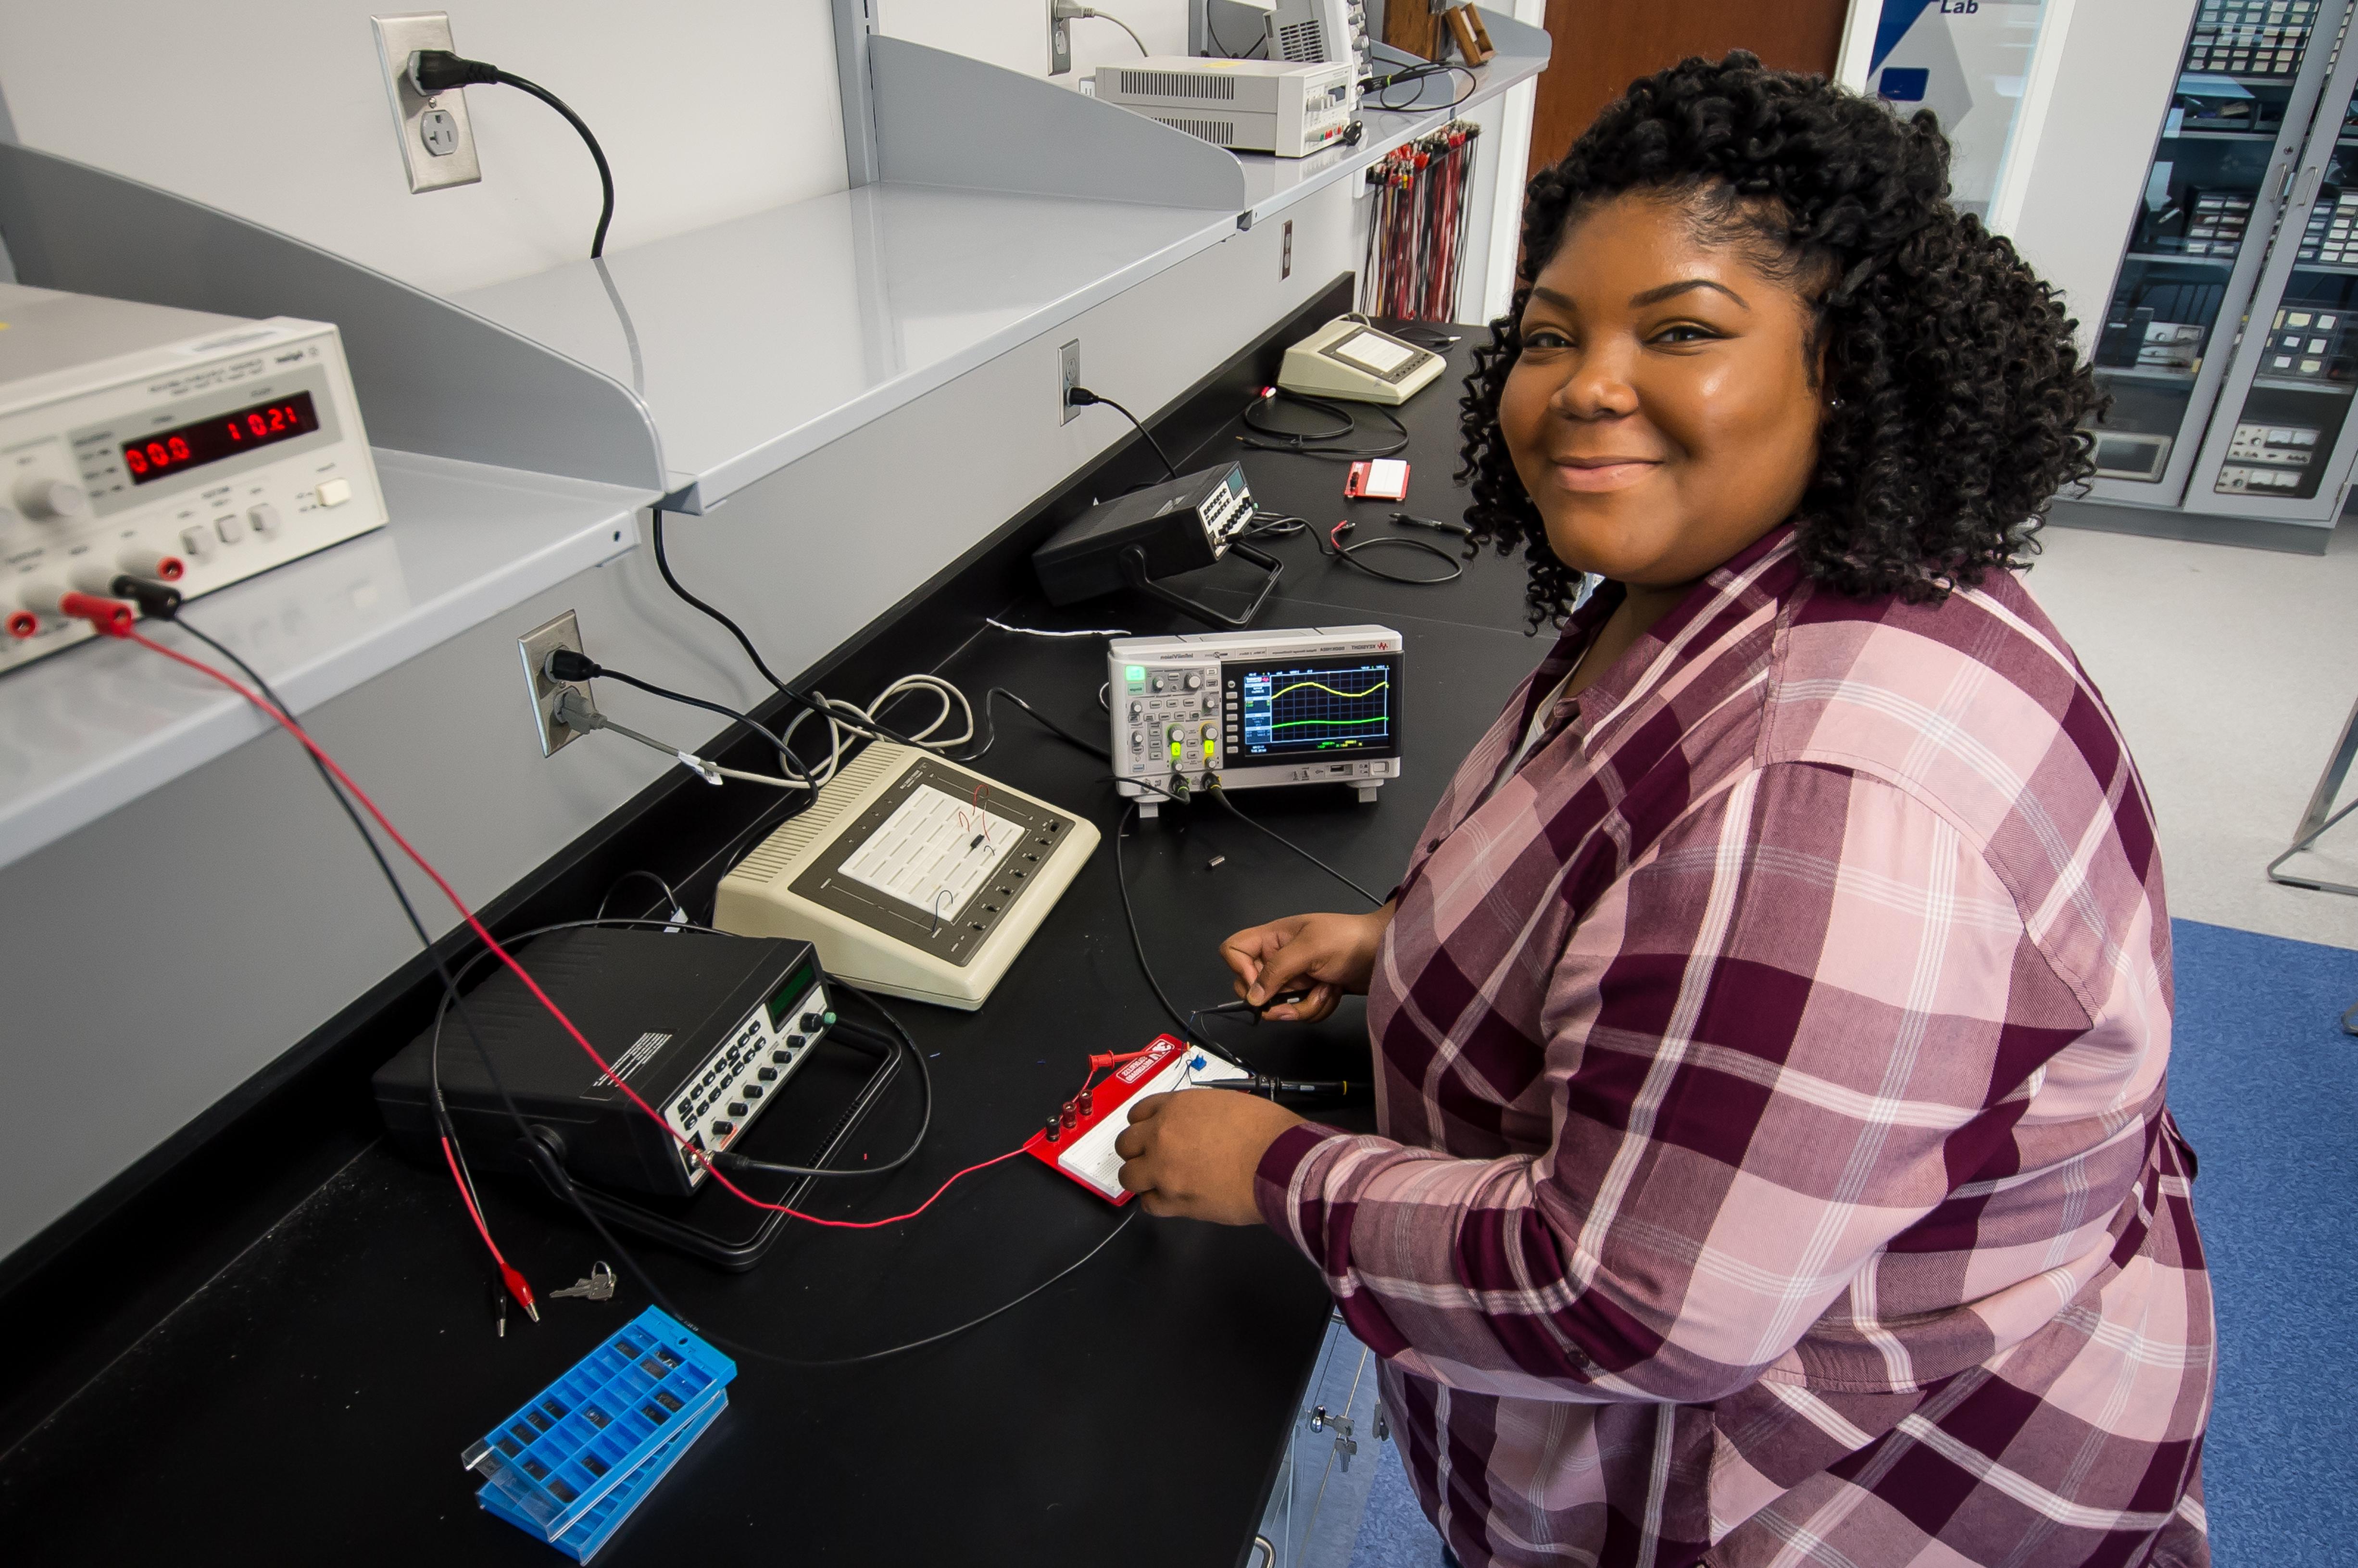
(43, 499)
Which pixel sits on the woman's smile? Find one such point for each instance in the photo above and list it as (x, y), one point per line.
(1592, 475)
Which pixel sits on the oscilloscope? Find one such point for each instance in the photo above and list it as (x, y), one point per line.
(1310, 705)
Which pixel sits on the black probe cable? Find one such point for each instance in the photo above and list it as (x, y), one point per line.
(1057, 1278)
(438, 71)
(1333, 548)
(1221, 796)
(164, 604)
(1266, 437)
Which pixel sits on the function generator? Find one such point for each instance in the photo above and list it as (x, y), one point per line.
(705, 1029)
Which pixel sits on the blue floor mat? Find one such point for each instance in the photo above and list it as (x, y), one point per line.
(2264, 1084)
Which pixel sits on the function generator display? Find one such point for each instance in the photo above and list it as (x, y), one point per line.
(1315, 706)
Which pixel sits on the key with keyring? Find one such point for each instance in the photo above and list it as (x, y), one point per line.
(597, 1287)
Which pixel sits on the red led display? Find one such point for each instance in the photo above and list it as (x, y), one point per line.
(167, 452)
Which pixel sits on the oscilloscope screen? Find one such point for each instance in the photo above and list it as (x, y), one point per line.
(1306, 708)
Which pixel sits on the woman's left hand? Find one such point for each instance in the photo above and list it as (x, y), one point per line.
(1192, 1155)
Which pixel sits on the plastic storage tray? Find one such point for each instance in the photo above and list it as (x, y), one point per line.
(570, 1464)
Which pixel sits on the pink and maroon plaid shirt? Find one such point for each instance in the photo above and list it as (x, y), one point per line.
(1775, 1166)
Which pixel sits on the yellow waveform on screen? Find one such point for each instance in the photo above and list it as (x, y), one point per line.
(1297, 685)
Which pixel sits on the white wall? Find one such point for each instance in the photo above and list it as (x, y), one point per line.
(276, 110)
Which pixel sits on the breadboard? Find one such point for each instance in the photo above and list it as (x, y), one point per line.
(1084, 1153)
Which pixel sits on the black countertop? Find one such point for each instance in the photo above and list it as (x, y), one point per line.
(314, 1395)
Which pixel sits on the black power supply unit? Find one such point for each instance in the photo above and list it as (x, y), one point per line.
(1180, 525)
(705, 1029)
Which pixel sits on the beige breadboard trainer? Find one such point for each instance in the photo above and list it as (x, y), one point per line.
(912, 876)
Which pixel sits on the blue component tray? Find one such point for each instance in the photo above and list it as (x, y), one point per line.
(570, 1464)
(592, 1530)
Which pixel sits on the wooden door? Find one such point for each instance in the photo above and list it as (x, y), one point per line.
(1602, 46)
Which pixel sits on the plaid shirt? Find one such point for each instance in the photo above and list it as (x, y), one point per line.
(1776, 1167)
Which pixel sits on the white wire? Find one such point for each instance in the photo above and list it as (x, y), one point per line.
(1035, 632)
(953, 701)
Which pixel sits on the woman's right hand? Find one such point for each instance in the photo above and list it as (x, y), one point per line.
(1333, 954)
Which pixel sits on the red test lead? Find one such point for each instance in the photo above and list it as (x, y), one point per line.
(122, 628)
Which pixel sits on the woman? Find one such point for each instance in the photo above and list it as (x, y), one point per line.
(1772, 1021)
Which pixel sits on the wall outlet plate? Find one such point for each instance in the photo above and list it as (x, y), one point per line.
(536, 645)
(1060, 45)
(1068, 376)
(438, 141)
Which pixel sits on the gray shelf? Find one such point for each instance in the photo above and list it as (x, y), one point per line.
(761, 339)
(102, 723)
(2147, 372)
(2292, 384)
(2174, 259)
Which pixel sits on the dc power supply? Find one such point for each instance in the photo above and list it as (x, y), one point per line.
(172, 445)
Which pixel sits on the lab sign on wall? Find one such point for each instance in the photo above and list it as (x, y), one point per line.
(1966, 60)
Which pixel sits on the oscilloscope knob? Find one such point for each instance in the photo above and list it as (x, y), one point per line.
(1193, 681)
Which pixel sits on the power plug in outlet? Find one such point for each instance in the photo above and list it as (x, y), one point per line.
(1068, 376)
(536, 645)
(438, 141)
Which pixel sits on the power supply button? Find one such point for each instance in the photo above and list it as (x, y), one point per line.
(334, 491)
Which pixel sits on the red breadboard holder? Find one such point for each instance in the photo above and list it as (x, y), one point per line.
(1385, 478)
(1105, 1099)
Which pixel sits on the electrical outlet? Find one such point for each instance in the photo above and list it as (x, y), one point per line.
(438, 141)
(1285, 253)
(536, 645)
(1060, 43)
(1068, 362)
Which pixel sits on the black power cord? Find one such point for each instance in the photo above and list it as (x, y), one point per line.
(1082, 397)
(438, 71)
(991, 728)
(564, 665)
(815, 706)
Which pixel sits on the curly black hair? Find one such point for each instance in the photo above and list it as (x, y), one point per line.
(1959, 397)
